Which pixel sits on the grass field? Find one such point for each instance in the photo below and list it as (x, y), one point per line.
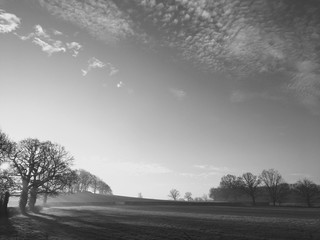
(144, 222)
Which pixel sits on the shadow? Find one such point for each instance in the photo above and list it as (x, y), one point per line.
(7, 228)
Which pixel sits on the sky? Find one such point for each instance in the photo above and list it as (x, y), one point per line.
(151, 95)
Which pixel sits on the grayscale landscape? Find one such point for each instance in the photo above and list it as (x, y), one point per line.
(160, 119)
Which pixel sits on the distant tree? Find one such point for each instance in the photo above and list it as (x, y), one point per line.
(140, 195)
(249, 184)
(59, 184)
(6, 147)
(188, 196)
(205, 197)
(230, 186)
(273, 181)
(214, 193)
(104, 188)
(174, 194)
(198, 199)
(308, 190)
(84, 181)
(285, 190)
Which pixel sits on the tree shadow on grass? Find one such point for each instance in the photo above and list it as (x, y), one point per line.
(92, 225)
(7, 228)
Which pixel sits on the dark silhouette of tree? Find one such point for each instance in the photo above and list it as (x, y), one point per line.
(26, 158)
(87, 181)
(174, 194)
(59, 184)
(52, 168)
(104, 188)
(230, 186)
(188, 196)
(308, 190)
(5, 147)
(273, 181)
(37, 163)
(249, 184)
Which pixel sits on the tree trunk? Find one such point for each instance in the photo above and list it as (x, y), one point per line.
(32, 199)
(45, 198)
(23, 197)
(5, 203)
(253, 200)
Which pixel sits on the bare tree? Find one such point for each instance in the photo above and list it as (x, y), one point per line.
(26, 158)
(59, 184)
(51, 172)
(249, 184)
(104, 188)
(188, 196)
(308, 190)
(273, 182)
(174, 194)
(205, 197)
(5, 146)
(230, 186)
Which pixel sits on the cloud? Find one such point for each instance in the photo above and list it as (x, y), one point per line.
(206, 171)
(96, 63)
(101, 18)
(120, 84)
(305, 85)
(46, 47)
(239, 96)
(74, 47)
(213, 168)
(8, 22)
(92, 64)
(48, 44)
(241, 38)
(137, 168)
(112, 69)
(178, 93)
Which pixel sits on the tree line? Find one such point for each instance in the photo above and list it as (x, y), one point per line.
(40, 168)
(269, 185)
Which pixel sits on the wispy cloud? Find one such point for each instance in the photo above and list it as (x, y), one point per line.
(102, 19)
(96, 63)
(305, 85)
(92, 64)
(240, 38)
(8, 22)
(239, 96)
(178, 93)
(48, 44)
(137, 168)
(213, 168)
(46, 47)
(74, 47)
(120, 84)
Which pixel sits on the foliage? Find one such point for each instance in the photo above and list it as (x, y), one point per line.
(174, 194)
(188, 196)
(308, 190)
(249, 183)
(273, 180)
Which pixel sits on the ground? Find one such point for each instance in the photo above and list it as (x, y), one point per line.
(164, 222)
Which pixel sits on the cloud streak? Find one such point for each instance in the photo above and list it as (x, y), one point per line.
(8, 22)
(48, 44)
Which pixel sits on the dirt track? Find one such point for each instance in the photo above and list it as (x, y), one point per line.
(164, 222)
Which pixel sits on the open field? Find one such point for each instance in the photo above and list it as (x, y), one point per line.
(164, 222)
